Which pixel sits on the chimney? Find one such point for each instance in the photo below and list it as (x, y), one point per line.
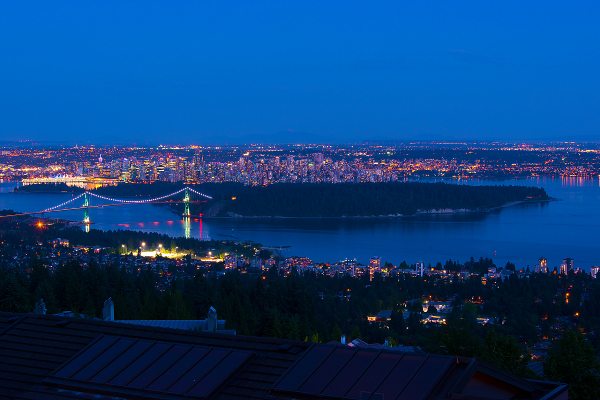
(211, 321)
(108, 312)
(343, 339)
(40, 307)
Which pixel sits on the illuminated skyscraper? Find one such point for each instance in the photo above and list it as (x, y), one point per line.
(567, 266)
(374, 266)
(541, 266)
(230, 261)
(419, 267)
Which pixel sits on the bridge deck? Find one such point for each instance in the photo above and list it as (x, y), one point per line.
(100, 206)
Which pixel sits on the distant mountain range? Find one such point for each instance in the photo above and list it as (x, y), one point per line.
(281, 137)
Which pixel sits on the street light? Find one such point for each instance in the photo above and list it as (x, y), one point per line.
(124, 248)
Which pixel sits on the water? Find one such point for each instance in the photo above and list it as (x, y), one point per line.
(520, 234)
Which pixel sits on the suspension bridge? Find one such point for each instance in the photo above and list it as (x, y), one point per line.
(84, 202)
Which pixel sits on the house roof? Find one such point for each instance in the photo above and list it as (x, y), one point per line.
(346, 373)
(189, 324)
(32, 346)
(58, 358)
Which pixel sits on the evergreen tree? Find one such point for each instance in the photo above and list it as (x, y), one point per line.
(265, 324)
(45, 292)
(293, 331)
(13, 296)
(149, 305)
(397, 324)
(355, 333)
(276, 327)
(176, 308)
(71, 295)
(571, 360)
(454, 339)
(38, 274)
(89, 311)
(504, 352)
(414, 323)
(336, 333)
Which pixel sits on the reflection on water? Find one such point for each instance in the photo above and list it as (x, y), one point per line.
(7, 186)
(187, 227)
(520, 234)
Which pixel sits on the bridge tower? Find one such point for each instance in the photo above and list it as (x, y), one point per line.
(86, 204)
(186, 201)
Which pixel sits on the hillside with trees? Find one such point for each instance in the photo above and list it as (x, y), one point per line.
(372, 199)
(311, 306)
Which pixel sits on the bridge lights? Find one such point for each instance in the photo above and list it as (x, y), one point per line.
(86, 216)
(186, 201)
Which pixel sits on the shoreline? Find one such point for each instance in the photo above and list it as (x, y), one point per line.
(417, 214)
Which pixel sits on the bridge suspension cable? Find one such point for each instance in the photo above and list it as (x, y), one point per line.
(148, 200)
(65, 203)
(86, 196)
(198, 193)
(135, 201)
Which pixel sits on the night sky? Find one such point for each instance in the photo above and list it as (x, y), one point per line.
(210, 72)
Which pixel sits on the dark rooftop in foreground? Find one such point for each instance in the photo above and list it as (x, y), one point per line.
(53, 357)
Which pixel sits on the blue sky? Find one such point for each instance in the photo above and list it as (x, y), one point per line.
(206, 72)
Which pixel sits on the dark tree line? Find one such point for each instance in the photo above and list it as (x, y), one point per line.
(367, 199)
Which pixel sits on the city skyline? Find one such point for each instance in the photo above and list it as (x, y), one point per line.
(267, 164)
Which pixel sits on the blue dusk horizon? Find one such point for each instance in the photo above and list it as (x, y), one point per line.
(234, 72)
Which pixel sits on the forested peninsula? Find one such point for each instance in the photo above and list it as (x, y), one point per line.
(331, 200)
(373, 199)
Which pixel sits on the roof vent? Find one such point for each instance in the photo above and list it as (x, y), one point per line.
(64, 322)
(284, 348)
